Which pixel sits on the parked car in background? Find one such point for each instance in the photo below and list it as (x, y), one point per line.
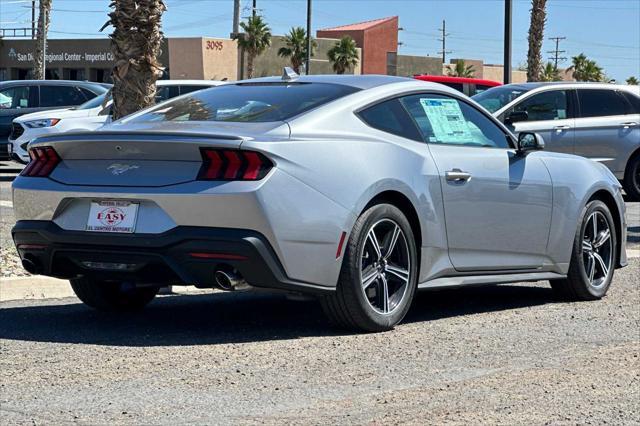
(88, 116)
(468, 86)
(19, 97)
(357, 189)
(594, 120)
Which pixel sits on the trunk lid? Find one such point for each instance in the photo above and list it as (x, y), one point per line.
(147, 154)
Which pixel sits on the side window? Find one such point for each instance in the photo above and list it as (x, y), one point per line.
(390, 117)
(59, 96)
(550, 105)
(634, 101)
(601, 103)
(445, 120)
(15, 97)
(163, 93)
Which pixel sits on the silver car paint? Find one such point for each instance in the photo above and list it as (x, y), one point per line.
(611, 140)
(328, 166)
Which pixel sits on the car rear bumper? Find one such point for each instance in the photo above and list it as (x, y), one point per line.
(186, 255)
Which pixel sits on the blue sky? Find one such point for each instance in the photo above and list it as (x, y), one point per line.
(605, 30)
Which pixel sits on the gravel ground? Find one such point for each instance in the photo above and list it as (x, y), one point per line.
(505, 355)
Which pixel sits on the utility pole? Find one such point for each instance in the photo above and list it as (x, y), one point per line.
(308, 59)
(236, 17)
(556, 53)
(444, 50)
(507, 42)
(33, 19)
(254, 9)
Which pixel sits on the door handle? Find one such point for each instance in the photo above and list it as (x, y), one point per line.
(559, 129)
(628, 124)
(457, 175)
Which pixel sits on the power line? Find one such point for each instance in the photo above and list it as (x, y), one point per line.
(556, 53)
(444, 50)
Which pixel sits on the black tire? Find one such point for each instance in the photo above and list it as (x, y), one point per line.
(631, 181)
(112, 296)
(350, 307)
(578, 285)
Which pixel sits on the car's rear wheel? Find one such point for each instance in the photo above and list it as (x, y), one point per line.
(631, 181)
(593, 258)
(112, 296)
(379, 273)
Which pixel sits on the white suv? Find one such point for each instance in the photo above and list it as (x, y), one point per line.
(88, 116)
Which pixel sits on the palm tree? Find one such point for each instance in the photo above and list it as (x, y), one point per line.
(255, 40)
(585, 69)
(550, 73)
(462, 70)
(343, 55)
(296, 47)
(44, 15)
(135, 42)
(632, 81)
(536, 35)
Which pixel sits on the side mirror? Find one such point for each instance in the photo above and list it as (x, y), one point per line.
(516, 116)
(530, 142)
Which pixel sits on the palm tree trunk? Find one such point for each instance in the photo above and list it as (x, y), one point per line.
(41, 39)
(135, 42)
(536, 35)
(250, 58)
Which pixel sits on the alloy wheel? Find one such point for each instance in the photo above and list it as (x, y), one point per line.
(384, 266)
(597, 249)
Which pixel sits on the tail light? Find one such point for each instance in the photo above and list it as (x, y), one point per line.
(233, 164)
(43, 160)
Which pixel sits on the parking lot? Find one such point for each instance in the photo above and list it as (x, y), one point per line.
(509, 354)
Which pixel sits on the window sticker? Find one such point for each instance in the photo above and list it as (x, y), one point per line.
(447, 121)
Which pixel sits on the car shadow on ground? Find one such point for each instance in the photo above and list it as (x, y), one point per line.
(233, 317)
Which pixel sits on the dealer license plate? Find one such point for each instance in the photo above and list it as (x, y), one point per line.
(113, 216)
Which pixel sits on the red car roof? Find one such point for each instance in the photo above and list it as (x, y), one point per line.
(447, 79)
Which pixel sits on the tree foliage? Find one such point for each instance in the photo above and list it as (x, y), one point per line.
(550, 73)
(461, 69)
(632, 81)
(135, 42)
(254, 41)
(585, 69)
(295, 47)
(343, 55)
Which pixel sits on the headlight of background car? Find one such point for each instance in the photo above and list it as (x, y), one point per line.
(34, 124)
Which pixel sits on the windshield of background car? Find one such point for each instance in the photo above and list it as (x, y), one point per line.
(247, 102)
(497, 97)
(93, 103)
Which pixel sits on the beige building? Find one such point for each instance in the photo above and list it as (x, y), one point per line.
(496, 72)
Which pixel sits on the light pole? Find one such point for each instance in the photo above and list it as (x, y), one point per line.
(308, 59)
(507, 41)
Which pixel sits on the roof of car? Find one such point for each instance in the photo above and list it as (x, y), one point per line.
(53, 83)
(189, 82)
(359, 81)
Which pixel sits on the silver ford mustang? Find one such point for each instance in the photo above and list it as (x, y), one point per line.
(356, 189)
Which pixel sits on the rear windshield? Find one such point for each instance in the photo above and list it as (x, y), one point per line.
(247, 102)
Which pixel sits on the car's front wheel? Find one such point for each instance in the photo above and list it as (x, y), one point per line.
(379, 272)
(593, 258)
(112, 296)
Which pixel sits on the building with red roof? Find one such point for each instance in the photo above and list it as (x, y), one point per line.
(376, 38)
